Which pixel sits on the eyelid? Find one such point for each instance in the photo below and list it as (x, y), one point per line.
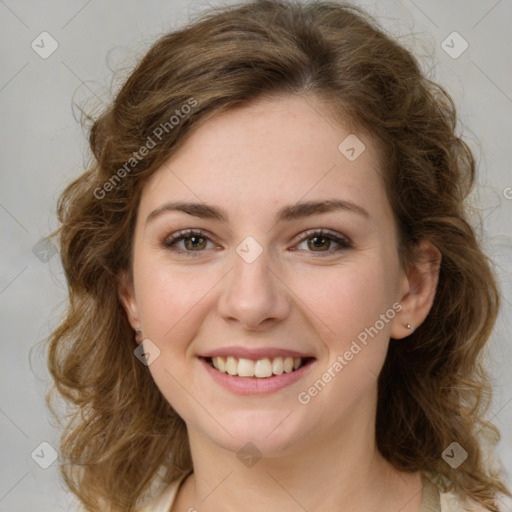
(325, 232)
(172, 239)
(342, 240)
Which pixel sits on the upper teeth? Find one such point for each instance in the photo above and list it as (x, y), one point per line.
(259, 368)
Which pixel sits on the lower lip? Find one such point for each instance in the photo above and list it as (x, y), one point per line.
(255, 386)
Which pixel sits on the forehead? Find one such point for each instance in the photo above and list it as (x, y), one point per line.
(253, 158)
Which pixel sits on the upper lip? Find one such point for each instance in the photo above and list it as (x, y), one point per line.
(255, 353)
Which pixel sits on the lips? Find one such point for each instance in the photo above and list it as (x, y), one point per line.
(256, 385)
(256, 363)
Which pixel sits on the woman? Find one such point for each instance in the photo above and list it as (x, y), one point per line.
(276, 301)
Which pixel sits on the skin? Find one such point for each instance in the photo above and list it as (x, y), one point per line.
(251, 161)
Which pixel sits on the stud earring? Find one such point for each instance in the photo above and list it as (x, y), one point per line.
(409, 326)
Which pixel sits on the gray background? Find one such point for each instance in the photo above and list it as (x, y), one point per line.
(43, 148)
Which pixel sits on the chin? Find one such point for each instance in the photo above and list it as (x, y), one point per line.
(264, 432)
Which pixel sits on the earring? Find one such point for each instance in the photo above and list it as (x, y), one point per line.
(138, 335)
(409, 326)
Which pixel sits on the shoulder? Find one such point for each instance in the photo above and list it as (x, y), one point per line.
(438, 497)
(164, 501)
(452, 502)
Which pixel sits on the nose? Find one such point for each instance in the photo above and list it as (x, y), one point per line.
(254, 294)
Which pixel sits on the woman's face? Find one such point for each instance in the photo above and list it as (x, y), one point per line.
(260, 285)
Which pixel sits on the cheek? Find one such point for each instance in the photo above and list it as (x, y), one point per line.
(171, 304)
(353, 314)
(347, 300)
(167, 303)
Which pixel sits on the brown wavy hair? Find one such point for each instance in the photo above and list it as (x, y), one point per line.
(121, 433)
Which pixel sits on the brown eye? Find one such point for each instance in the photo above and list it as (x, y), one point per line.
(321, 242)
(193, 242)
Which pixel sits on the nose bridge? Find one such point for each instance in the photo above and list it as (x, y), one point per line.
(252, 293)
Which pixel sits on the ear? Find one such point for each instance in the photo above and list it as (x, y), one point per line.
(126, 295)
(417, 290)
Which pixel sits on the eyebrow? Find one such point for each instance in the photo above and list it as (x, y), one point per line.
(287, 213)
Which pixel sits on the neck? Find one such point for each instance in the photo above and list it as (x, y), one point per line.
(339, 468)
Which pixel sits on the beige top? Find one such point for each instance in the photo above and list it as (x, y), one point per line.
(432, 501)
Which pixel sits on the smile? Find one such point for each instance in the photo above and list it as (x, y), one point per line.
(259, 368)
(265, 375)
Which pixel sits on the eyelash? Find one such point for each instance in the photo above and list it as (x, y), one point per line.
(171, 241)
